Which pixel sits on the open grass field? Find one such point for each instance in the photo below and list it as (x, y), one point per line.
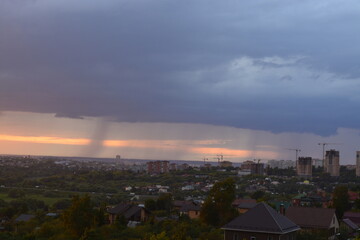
(48, 200)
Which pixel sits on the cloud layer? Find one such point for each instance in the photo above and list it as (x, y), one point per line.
(247, 64)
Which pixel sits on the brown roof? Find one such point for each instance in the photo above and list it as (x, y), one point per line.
(262, 218)
(311, 217)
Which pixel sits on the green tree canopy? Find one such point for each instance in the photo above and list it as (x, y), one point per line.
(217, 208)
(79, 216)
(341, 200)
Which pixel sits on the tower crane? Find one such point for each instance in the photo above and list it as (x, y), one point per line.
(296, 152)
(219, 157)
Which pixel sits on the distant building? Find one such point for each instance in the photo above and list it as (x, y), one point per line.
(331, 164)
(304, 167)
(118, 157)
(318, 162)
(157, 167)
(244, 172)
(281, 164)
(246, 165)
(183, 166)
(172, 166)
(129, 212)
(358, 163)
(257, 168)
(225, 164)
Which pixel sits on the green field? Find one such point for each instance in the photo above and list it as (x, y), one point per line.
(48, 201)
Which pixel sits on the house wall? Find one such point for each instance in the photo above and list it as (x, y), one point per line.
(194, 214)
(238, 235)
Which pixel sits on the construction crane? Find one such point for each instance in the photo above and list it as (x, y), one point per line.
(219, 157)
(323, 147)
(296, 152)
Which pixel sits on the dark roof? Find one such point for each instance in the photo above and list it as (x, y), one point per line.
(119, 209)
(128, 210)
(353, 216)
(131, 211)
(262, 218)
(311, 217)
(190, 207)
(351, 224)
(24, 218)
(179, 203)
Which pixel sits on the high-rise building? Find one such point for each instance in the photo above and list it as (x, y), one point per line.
(358, 163)
(304, 167)
(257, 168)
(331, 163)
(158, 167)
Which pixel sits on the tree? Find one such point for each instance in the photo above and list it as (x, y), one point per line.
(79, 216)
(341, 200)
(150, 204)
(164, 202)
(217, 208)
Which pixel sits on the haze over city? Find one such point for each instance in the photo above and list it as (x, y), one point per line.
(179, 80)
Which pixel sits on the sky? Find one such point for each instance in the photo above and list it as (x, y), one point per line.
(180, 80)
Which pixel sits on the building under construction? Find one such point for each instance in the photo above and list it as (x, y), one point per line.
(331, 163)
(304, 167)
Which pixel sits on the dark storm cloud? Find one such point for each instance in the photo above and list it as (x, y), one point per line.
(249, 64)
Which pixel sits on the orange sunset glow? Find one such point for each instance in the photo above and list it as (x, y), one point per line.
(235, 152)
(43, 139)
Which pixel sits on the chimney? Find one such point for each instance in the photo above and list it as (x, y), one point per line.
(282, 209)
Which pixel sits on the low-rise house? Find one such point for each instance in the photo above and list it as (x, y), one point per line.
(311, 200)
(321, 220)
(353, 216)
(178, 204)
(244, 204)
(346, 225)
(191, 210)
(239, 201)
(260, 223)
(129, 212)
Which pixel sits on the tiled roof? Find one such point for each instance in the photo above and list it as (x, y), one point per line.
(262, 218)
(311, 217)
